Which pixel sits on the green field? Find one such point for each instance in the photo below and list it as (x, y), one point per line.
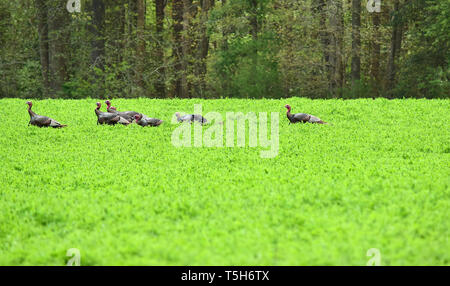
(378, 177)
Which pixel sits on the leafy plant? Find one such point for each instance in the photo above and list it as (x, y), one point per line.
(124, 195)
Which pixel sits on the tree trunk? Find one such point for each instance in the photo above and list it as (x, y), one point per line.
(375, 55)
(356, 42)
(42, 9)
(396, 40)
(116, 30)
(58, 40)
(320, 9)
(186, 47)
(177, 17)
(340, 50)
(160, 85)
(132, 22)
(336, 42)
(97, 31)
(140, 52)
(132, 15)
(254, 29)
(203, 46)
(254, 19)
(98, 34)
(224, 47)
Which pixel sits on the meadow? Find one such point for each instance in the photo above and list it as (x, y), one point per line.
(378, 177)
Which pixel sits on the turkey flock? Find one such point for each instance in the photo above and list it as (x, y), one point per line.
(113, 117)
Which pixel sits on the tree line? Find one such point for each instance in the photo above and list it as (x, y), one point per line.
(224, 48)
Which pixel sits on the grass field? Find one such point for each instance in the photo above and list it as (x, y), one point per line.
(124, 195)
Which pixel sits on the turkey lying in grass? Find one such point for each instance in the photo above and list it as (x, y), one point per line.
(144, 120)
(302, 117)
(128, 115)
(191, 118)
(42, 121)
(109, 118)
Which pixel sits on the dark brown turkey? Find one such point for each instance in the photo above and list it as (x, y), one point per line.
(302, 117)
(109, 118)
(191, 118)
(144, 120)
(128, 115)
(42, 121)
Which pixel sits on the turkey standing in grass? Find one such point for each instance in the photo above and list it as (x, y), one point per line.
(302, 117)
(143, 120)
(42, 121)
(191, 118)
(128, 115)
(109, 118)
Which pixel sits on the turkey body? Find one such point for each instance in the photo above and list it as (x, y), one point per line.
(127, 115)
(109, 118)
(144, 120)
(191, 118)
(42, 121)
(302, 117)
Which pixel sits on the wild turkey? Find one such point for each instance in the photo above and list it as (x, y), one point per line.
(109, 118)
(302, 117)
(42, 121)
(183, 118)
(143, 120)
(191, 118)
(128, 115)
(110, 108)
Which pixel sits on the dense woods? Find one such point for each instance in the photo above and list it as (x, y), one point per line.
(224, 48)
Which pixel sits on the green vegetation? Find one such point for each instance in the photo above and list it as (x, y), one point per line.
(377, 178)
(224, 48)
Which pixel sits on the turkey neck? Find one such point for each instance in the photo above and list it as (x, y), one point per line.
(289, 115)
(97, 111)
(111, 110)
(32, 114)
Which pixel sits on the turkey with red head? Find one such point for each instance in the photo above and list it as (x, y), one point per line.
(191, 118)
(109, 118)
(128, 115)
(302, 117)
(42, 121)
(144, 120)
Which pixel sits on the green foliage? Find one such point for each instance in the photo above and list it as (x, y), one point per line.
(78, 88)
(245, 74)
(246, 65)
(30, 80)
(115, 80)
(426, 69)
(254, 49)
(376, 178)
(361, 89)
